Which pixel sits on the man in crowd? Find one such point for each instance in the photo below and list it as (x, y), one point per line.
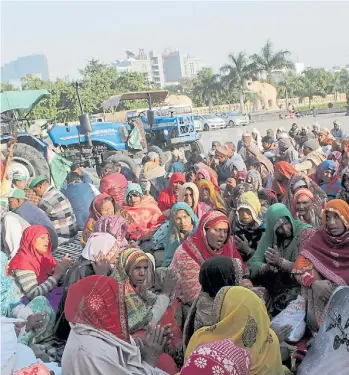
(19, 181)
(57, 207)
(75, 168)
(286, 151)
(32, 214)
(313, 156)
(336, 131)
(80, 195)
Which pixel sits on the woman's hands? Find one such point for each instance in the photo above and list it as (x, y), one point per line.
(322, 289)
(62, 267)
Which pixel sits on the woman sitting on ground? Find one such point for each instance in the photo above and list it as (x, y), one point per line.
(99, 342)
(212, 238)
(183, 222)
(102, 205)
(305, 209)
(144, 211)
(248, 225)
(241, 316)
(38, 313)
(35, 270)
(272, 263)
(211, 197)
(100, 252)
(169, 196)
(323, 261)
(204, 174)
(136, 269)
(327, 178)
(189, 193)
(282, 175)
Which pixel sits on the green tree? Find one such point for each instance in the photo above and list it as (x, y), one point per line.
(269, 60)
(206, 87)
(236, 73)
(7, 87)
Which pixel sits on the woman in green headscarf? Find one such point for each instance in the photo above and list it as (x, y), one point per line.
(272, 263)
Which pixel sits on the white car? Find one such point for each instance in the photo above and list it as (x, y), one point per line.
(209, 122)
(198, 124)
(234, 119)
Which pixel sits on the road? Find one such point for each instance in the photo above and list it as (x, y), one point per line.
(234, 134)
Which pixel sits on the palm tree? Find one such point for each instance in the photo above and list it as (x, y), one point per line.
(236, 73)
(206, 87)
(269, 60)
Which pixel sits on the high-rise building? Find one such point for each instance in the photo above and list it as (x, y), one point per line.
(33, 64)
(179, 65)
(149, 64)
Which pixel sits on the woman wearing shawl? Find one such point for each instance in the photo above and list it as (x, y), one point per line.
(212, 174)
(222, 357)
(323, 262)
(101, 248)
(248, 225)
(328, 353)
(211, 197)
(344, 193)
(299, 181)
(203, 174)
(169, 196)
(241, 316)
(102, 205)
(336, 156)
(116, 226)
(35, 270)
(304, 208)
(283, 173)
(99, 342)
(272, 263)
(327, 178)
(38, 312)
(189, 193)
(144, 307)
(144, 211)
(254, 178)
(212, 238)
(183, 222)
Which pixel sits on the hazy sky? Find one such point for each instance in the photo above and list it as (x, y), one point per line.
(71, 33)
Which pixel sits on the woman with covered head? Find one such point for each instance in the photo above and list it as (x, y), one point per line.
(183, 222)
(241, 316)
(344, 193)
(283, 173)
(323, 261)
(248, 225)
(272, 263)
(102, 205)
(212, 238)
(97, 258)
(189, 193)
(327, 178)
(210, 196)
(204, 174)
(305, 209)
(301, 181)
(169, 197)
(35, 270)
(100, 342)
(136, 269)
(145, 212)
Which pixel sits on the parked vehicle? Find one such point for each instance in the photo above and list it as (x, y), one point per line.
(234, 119)
(91, 144)
(198, 124)
(210, 121)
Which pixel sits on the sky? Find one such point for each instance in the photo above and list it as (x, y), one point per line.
(72, 33)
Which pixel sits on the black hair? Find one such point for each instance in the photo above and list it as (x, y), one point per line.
(267, 139)
(73, 176)
(252, 162)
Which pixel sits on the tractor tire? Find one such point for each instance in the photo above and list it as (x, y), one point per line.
(124, 159)
(157, 149)
(31, 159)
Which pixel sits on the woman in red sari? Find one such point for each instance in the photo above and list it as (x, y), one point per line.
(282, 174)
(99, 342)
(212, 238)
(323, 260)
(169, 196)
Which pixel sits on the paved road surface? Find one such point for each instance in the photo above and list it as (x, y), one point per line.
(234, 134)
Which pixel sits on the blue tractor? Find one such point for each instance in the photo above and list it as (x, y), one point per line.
(91, 144)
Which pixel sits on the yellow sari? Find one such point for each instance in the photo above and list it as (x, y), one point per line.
(242, 317)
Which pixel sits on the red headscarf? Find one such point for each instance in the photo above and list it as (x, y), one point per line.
(96, 204)
(29, 259)
(197, 246)
(330, 255)
(285, 169)
(99, 302)
(167, 198)
(300, 193)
